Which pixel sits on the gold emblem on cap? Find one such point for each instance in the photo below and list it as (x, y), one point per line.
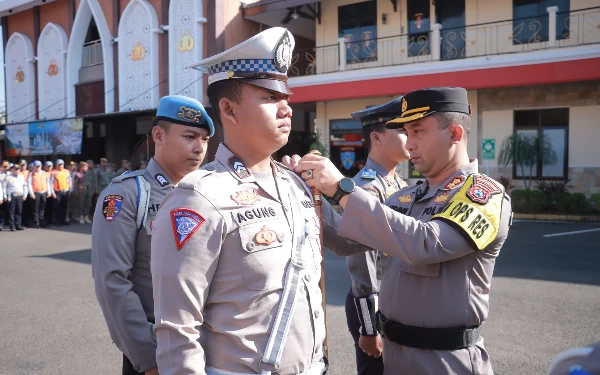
(404, 105)
(230, 74)
(189, 114)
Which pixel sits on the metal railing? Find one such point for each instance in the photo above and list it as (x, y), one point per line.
(92, 53)
(554, 30)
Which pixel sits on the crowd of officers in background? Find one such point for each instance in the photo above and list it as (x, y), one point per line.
(40, 194)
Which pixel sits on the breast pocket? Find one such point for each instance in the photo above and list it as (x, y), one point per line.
(426, 270)
(267, 252)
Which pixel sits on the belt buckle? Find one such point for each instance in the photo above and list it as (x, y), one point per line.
(275, 367)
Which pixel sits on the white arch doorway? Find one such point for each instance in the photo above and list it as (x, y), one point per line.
(88, 9)
(20, 80)
(52, 78)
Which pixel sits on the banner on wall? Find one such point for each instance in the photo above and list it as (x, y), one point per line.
(45, 138)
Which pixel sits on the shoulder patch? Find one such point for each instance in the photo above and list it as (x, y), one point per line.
(477, 222)
(111, 206)
(368, 174)
(185, 223)
(127, 175)
(239, 168)
(456, 182)
(482, 189)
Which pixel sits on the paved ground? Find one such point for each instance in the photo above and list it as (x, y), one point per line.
(545, 298)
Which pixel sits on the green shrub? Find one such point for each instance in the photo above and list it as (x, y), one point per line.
(561, 202)
(595, 198)
(528, 201)
(579, 204)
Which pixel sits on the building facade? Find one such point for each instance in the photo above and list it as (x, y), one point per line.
(109, 62)
(530, 67)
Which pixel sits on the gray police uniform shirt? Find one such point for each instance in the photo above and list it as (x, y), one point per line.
(434, 277)
(219, 278)
(121, 263)
(104, 177)
(365, 269)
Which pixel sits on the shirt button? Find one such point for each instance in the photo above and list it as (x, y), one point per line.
(210, 168)
(317, 349)
(250, 246)
(317, 313)
(286, 208)
(307, 277)
(281, 237)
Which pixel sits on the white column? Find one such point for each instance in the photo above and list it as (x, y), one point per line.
(552, 25)
(342, 53)
(436, 43)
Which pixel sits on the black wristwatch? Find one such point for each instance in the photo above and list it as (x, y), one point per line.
(345, 186)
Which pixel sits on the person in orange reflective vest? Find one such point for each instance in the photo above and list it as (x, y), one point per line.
(50, 214)
(38, 183)
(62, 187)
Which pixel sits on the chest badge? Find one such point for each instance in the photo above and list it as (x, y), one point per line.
(482, 189)
(456, 182)
(368, 174)
(406, 198)
(245, 197)
(265, 236)
(441, 198)
(111, 206)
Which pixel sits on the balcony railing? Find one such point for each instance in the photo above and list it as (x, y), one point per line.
(554, 30)
(92, 53)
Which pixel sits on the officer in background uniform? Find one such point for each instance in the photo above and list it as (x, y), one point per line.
(443, 237)
(3, 205)
(235, 247)
(94, 181)
(62, 188)
(72, 207)
(50, 214)
(14, 193)
(104, 175)
(84, 185)
(123, 226)
(577, 361)
(40, 189)
(378, 177)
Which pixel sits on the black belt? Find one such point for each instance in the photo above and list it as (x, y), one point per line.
(428, 338)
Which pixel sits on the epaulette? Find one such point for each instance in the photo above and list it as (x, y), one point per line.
(368, 174)
(189, 181)
(127, 175)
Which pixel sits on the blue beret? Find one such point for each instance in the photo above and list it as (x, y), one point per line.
(379, 113)
(37, 163)
(184, 111)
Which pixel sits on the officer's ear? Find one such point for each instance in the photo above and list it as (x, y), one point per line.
(158, 135)
(457, 133)
(227, 111)
(375, 138)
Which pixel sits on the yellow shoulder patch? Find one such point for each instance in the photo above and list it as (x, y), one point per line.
(475, 210)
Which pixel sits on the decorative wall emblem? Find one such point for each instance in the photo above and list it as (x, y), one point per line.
(186, 42)
(138, 52)
(52, 68)
(20, 76)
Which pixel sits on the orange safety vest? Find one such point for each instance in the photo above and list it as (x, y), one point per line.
(62, 180)
(38, 182)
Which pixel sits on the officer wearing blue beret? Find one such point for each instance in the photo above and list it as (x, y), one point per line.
(123, 223)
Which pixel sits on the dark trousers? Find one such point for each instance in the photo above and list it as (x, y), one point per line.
(15, 208)
(365, 364)
(50, 213)
(60, 206)
(39, 207)
(3, 212)
(128, 367)
(27, 211)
